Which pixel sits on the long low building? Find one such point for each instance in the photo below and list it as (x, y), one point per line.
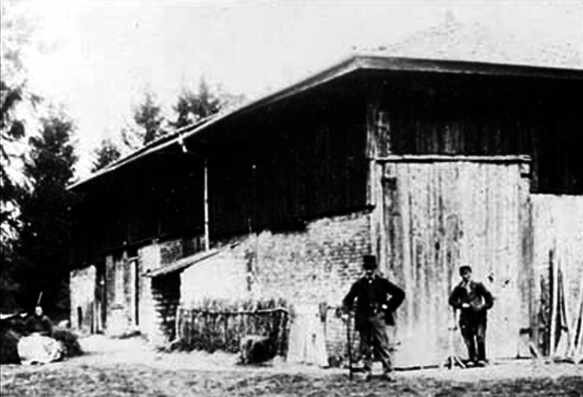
(428, 164)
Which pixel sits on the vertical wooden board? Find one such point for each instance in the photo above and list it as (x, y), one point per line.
(501, 273)
(557, 228)
(453, 213)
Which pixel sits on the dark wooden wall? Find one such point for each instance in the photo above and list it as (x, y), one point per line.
(482, 115)
(307, 156)
(155, 199)
(297, 163)
(272, 169)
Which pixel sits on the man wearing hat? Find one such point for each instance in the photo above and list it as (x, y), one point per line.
(473, 300)
(376, 300)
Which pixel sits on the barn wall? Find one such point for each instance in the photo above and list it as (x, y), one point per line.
(280, 169)
(433, 217)
(159, 297)
(473, 115)
(117, 310)
(316, 266)
(273, 170)
(558, 241)
(82, 296)
(165, 298)
(309, 267)
(149, 320)
(219, 277)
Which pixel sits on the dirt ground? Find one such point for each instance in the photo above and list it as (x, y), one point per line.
(128, 368)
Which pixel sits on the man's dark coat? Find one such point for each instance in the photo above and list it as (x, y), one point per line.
(371, 294)
(479, 298)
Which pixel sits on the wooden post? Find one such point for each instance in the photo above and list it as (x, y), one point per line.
(554, 299)
(206, 206)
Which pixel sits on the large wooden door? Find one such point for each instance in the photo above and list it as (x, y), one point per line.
(437, 216)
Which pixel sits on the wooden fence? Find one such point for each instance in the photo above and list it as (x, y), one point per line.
(221, 327)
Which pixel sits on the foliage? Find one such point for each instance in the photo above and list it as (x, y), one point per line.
(14, 95)
(193, 106)
(150, 123)
(69, 340)
(46, 216)
(105, 154)
(16, 32)
(9, 346)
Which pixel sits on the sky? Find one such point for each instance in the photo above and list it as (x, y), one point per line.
(97, 57)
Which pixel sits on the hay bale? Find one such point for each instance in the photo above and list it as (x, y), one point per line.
(69, 340)
(9, 347)
(256, 349)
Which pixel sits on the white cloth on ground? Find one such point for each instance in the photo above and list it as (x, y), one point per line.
(39, 349)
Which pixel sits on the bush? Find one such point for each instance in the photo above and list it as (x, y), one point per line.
(9, 347)
(69, 340)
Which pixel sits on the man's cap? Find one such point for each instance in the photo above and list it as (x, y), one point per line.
(369, 262)
(465, 268)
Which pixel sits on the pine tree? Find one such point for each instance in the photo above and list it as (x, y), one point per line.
(44, 240)
(16, 31)
(105, 154)
(149, 119)
(193, 106)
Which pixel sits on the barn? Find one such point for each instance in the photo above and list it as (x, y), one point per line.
(426, 163)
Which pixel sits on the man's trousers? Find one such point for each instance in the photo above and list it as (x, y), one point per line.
(474, 333)
(375, 342)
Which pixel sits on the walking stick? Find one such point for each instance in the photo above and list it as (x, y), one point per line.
(349, 346)
(452, 358)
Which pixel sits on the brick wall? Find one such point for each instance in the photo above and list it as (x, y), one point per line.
(166, 296)
(316, 265)
(82, 295)
(159, 297)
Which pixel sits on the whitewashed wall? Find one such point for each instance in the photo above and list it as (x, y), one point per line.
(82, 296)
(218, 277)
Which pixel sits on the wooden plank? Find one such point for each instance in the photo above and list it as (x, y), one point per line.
(454, 213)
(557, 234)
(394, 158)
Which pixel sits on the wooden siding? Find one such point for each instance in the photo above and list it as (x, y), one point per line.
(152, 200)
(477, 115)
(558, 241)
(276, 170)
(294, 171)
(434, 217)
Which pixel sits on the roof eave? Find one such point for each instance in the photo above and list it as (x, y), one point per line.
(345, 66)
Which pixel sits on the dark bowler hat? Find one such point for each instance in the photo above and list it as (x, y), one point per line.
(369, 262)
(465, 268)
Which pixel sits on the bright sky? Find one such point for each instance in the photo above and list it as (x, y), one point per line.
(98, 56)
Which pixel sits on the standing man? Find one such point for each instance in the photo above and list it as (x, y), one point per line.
(376, 300)
(473, 300)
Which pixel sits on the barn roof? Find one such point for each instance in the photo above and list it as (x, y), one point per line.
(186, 262)
(373, 60)
(183, 263)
